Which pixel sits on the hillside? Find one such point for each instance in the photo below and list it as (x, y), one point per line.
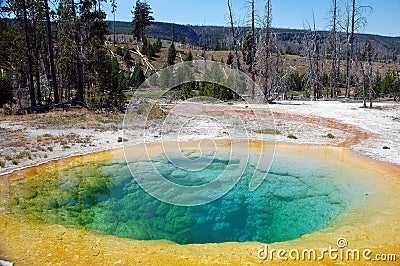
(293, 40)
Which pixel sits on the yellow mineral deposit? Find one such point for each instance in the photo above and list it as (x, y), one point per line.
(371, 228)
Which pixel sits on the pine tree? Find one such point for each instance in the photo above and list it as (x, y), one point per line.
(6, 95)
(141, 19)
(36, 18)
(67, 48)
(150, 53)
(173, 34)
(247, 51)
(28, 53)
(229, 61)
(78, 55)
(147, 49)
(127, 57)
(165, 78)
(138, 76)
(4, 41)
(217, 45)
(158, 45)
(118, 83)
(189, 57)
(378, 84)
(113, 11)
(213, 88)
(182, 76)
(54, 81)
(144, 45)
(171, 55)
(93, 43)
(13, 57)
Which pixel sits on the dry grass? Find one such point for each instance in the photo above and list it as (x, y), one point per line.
(267, 131)
(70, 119)
(18, 145)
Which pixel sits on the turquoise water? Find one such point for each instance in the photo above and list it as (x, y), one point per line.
(299, 196)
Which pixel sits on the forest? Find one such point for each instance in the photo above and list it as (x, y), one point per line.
(64, 52)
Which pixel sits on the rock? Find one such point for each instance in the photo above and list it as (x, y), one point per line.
(120, 139)
(6, 263)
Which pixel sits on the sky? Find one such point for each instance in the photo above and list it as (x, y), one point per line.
(292, 14)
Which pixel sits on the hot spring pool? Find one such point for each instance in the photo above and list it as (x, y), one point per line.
(303, 192)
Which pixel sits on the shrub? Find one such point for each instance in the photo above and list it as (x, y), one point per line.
(22, 155)
(330, 136)
(291, 52)
(119, 51)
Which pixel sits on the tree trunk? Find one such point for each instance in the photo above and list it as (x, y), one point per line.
(267, 48)
(347, 94)
(370, 93)
(36, 62)
(370, 82)
(29, 55)
(37, 75)
(253, 48)
(334, 66)
(51, 54)
(351, 50)
(114, 10)
(234, 36)
(80, 94)
(364, 84)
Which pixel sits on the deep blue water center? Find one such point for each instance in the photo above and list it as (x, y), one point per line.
(298, 196)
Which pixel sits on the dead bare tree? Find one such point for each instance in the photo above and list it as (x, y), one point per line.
(334, 52)
(253, 47)
(355, 20)
(234, 34)
(249, 43)
(349, 23)
(312, 52)
(366, 71)
(278, 76)
(269, 64)
(266, 48)
(262, 54)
